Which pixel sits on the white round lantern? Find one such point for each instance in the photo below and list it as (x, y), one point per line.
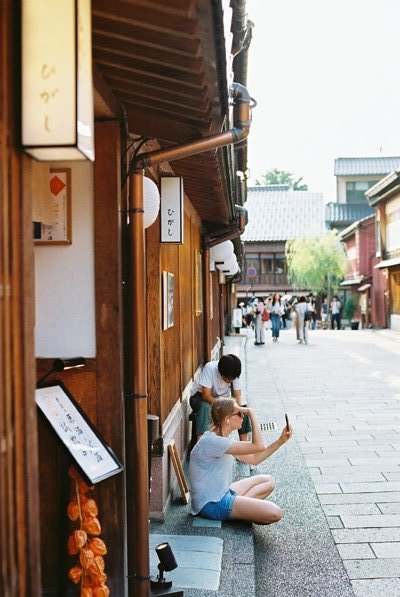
(233, 271)
(222, 252)
(151, 201)
(228, 263)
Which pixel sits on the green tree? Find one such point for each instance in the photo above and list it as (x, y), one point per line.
(317, 263)
(276, 176)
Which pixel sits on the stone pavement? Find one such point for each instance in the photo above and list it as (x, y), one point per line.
(342, 393)
(338, 479)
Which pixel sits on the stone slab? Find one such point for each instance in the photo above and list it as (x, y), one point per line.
(355, 551)
(377, 568)
(376, 587)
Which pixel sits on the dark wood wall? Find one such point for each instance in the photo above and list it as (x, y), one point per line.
(97, 387)
(19, 503)
(174, 353)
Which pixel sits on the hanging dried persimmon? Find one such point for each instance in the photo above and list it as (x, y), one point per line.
(98, 546)
(83, 510)
(89, 508)
(73, 511)
(75, 574)
(86, 557)
(80, 538)
(102, 591)
(92, 526)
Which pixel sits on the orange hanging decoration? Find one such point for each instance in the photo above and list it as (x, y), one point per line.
(84, 541)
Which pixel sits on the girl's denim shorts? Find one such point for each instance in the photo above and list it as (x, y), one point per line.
(221, 510)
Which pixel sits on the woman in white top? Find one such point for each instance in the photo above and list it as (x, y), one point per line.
(213, 495)
(302, 309)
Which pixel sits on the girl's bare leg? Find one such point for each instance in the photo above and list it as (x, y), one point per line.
(255, 510)
(258, 486)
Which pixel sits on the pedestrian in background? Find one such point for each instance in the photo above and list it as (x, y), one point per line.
(312, 307)
(276, 313)
(335, 313)
(259, 323)
(304, 317)
(324, 313)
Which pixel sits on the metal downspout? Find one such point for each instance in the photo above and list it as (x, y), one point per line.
(136, 370)
(136, 401)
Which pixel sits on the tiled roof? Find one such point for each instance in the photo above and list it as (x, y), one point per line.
(347, 213)
(364, 166)
(273, 187)
(283, 215)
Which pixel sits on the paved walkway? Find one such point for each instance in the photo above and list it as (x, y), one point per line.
(342, 393)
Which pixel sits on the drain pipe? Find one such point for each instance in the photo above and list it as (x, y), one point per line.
(136, 361)
(242, 119)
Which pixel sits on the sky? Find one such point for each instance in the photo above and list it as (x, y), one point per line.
(326, 77)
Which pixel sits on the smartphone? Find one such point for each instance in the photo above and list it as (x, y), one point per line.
(287, 422)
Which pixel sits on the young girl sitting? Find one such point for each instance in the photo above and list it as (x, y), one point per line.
(213, 495)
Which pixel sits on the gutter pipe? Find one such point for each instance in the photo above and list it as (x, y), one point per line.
(136, 361)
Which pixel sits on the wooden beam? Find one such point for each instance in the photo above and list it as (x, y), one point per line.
(106, 104)
(147, 51)
(152, 18)
(136, 64)
(138, 32)
(145, 123)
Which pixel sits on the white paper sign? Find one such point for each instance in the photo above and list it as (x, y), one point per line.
(89, 451)
(172, 209)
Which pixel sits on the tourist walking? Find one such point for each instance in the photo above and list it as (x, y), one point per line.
(276, 313)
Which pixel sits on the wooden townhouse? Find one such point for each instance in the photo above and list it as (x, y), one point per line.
(91, 278)
(384, 196)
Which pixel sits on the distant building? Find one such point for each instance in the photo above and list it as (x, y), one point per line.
(385, 198)
(275, 216)
(354, 176)
(362, 279)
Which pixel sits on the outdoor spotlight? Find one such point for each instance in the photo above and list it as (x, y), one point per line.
(61, 364)
(167, 563)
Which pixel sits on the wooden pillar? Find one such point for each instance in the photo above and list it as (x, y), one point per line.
(19, 501)
(109, 342)
(207, 304)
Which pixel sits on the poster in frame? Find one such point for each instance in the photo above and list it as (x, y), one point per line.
(60, 231)
(168, 300)
(91, 454)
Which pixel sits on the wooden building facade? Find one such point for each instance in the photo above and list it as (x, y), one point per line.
(162, 79)
(384, 196)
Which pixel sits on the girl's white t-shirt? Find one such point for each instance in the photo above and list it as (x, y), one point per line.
(210, 470)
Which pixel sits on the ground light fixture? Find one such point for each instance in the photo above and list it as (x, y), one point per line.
(160, 585)
(62, 365)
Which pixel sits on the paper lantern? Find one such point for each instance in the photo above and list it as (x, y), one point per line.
(228, 264)
(57, 88)
(222, 251)
(233, 271)
(151, 201)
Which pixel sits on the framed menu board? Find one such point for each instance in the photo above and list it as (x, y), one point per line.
(92, 455)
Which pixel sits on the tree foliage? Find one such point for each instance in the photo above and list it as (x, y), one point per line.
(316, 263)
(276, 176)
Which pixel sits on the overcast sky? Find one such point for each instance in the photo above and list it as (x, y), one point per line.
(326, 76)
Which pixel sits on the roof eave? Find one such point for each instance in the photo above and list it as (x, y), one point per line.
(383, 188)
